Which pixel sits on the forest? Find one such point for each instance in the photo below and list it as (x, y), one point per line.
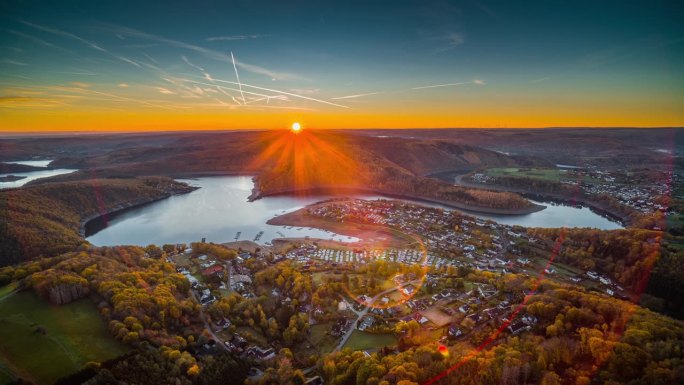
(45, 220)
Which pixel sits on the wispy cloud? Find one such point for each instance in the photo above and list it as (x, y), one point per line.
(305, 91)
(212, 54)
(165, 91)
(441, 85)
(89, 43)
(64, 34)
(123, 85)
(32, 38)
(12, 62)
(185, 59)
(450, 41)
(26, 102)
(356, 96)
(235, 37)
(275, 91)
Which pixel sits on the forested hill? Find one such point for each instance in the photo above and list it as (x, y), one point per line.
(45, 219)
(285, 161)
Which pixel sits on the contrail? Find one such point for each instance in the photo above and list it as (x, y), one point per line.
(356, 96)
(237, 76)
(440, 85)
(284, 93)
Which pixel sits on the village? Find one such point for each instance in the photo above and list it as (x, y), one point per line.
(449, 286)
(645, 196)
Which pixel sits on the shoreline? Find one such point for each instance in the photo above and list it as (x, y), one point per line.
(556, 198)
(334, 190)
(123, 207)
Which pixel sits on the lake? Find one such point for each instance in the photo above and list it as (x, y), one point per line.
(219, 210)
(32, 175)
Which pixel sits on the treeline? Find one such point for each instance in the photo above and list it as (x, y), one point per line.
(277, 311)
(626, 255)
(44, 220)
(581, 338)
(141, 297)
(152, 366)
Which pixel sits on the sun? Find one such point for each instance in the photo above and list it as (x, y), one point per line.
(296, 127)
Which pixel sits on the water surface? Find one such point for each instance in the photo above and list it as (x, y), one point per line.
(32, 175)
(219, 210)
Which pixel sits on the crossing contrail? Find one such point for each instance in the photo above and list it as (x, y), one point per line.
(238, 77)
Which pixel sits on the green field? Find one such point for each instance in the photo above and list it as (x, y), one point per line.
(362, 341)
(74, 335)
(551, 174)
(320, 340)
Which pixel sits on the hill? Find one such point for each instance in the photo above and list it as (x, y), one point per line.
(46, 219)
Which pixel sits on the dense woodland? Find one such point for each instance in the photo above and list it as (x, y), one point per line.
(45, 220)
(582, 338)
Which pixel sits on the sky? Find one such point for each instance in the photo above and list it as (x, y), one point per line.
(205, 65)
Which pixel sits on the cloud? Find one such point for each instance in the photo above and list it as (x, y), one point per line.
(235, 37)
(479, 82)
(451, 41)
(165, 91)
(305, 91)
(441, 85)
(123, 85)
(356, 96)
(80, 84)
(12, 62)
(32, 38)
(26, 102)
(64, 34)
(269, 90)
(185, 59)
(212, 54)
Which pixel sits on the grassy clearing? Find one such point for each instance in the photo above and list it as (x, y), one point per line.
(74, 335)
(251, 334)
(323, 342)
(362, 340)
(551, 174)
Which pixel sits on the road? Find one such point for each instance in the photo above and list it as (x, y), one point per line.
(206, 324)
(363, 312)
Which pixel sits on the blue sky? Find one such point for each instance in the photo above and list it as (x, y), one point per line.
(550, 62)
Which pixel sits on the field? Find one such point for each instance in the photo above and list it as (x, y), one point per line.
(550, 174)
(362, 340)
(74, 335)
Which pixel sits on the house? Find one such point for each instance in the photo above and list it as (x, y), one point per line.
(408, 289)
(454, 331)
(477, 318)
(261, 353)
(421, 319)
(517, 327)
(366, 322)
(592, 274)
(223, 323)
(529, 319)
(464, 308)
(212, 270)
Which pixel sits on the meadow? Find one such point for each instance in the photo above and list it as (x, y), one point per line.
(43, 343)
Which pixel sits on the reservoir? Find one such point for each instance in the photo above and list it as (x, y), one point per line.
(32, 175)
(219, 210)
